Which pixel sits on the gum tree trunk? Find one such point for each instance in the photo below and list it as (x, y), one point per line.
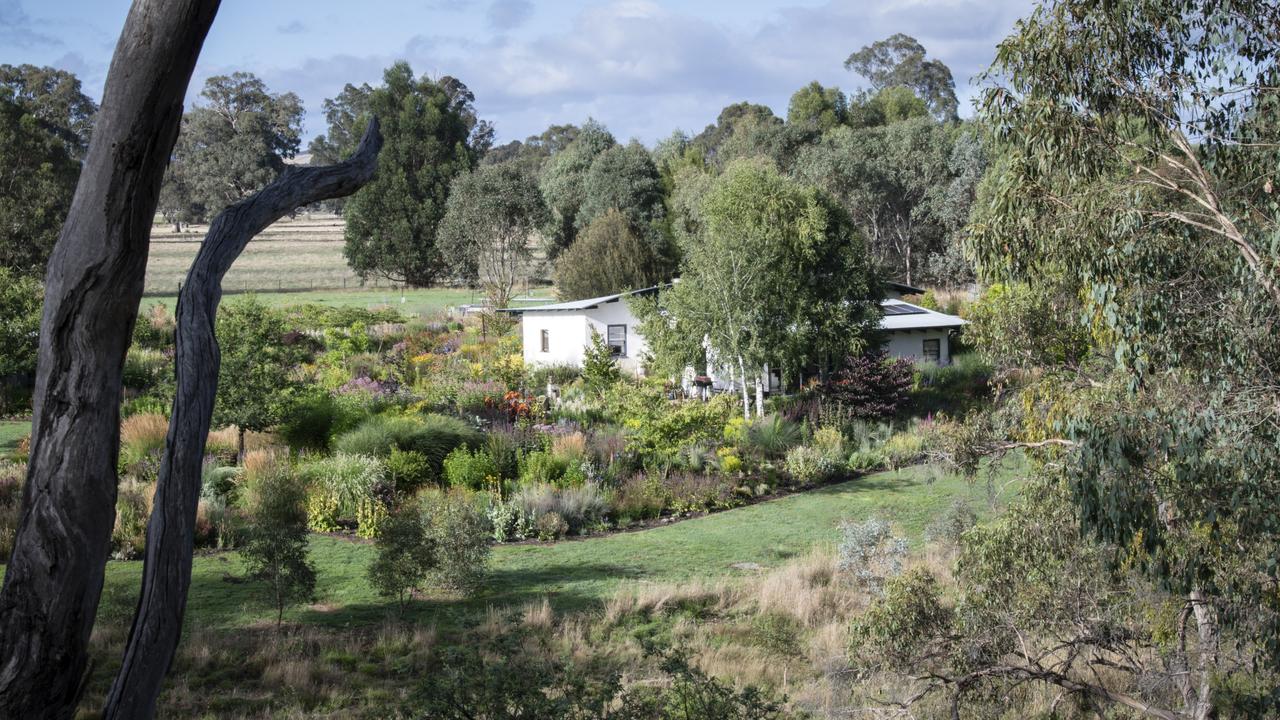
(94, 284)
(166, 574)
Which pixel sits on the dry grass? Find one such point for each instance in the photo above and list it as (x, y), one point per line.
(571, 447)
(144, 432)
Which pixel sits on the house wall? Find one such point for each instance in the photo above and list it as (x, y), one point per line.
(910, 344)
(567, 340)
(619, 313)
(570, 333)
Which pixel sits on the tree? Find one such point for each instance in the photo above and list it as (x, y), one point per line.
(622, 178)
(53, 97)
(781, 276)
(19, 329)
(346, 116)
(257, 364)
(39, 176)
(393, 221)
(275, 545)
(406, 555)
(599, 368)
(563, 184)
(726, 124)
(493, 215)
(893, 180)
(817, 108)
(231, 146)
(1135, 183)
(899, 60)
(94, 286)
(535, 150)
(609, 258)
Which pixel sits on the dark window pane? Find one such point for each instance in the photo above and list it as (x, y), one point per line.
(617, 340)
(932, 350)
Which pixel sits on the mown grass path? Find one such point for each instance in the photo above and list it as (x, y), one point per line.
(582, 574)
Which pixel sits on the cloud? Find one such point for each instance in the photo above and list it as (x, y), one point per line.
(18, 30)
(294, 28)
(645, 68)
(508, 14)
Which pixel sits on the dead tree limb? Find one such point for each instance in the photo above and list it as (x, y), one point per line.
(94, 284)
(166, 575)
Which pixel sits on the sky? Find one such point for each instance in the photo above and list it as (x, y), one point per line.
(642, 67)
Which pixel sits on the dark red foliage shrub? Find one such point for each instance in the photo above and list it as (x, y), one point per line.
(870, 386)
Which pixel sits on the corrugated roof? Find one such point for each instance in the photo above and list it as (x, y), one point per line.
(579, 304)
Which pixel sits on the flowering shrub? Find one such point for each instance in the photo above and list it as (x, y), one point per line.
(808, 465)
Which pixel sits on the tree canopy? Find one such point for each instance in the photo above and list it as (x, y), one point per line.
(899, 60)
(609, 257)
(489, 228)
(231, 146)
(392, 222)
(563, 183)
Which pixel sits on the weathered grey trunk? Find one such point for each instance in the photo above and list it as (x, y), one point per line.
(94, 283)
(166, 573)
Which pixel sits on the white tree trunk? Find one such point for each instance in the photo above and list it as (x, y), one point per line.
(759, 396)
(746, 400)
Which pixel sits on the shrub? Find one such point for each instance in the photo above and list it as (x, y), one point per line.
(470, 470)
(275, 547)
(808, 465)
(133, 509)
(315, 418)
(773, 435)
(865, 460)
(541, 468)
(551, 527)
(433, 436)
(504, 450)
(408, 470)
(555, 374)
(579, 507)
(869, 553)
(952, 524)
(904, 448)
(12, 478)
(870, 385)
(509, 522)
(658, 427)
(599, 369)
(829, 441)
(406, 555)
(639, 497)
(336, 488)
(691, 492)
(145, 368)
(460, 533)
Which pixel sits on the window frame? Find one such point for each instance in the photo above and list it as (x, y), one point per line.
(924, 349)
(545, 340)
(608, 331)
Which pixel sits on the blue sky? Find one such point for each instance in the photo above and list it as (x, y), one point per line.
(643, 67)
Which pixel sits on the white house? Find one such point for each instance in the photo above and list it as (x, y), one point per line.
(558, 334)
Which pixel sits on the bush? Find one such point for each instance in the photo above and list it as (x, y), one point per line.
(140, 435)
(865, 461)
(460, 533)
(555, 374)
(692, 492)
(337, 487)
(870, 386)
(408, 470)
(315, 418)
(541, 468)
(639, 497)
(870, 553)
(774, 435)
(509, 522)
(829, 441)
(275, 547)
(551, 527)
(470, 470)
(809, 465)
(579, 507)
(12, 478)
(133, 509)
(952, 524)
(406, 555)
(599, 368)
(433, 436)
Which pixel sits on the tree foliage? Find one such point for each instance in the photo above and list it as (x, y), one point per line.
(257, 365)
(20, 304)
(609, 258)
(563, 183)
(275, 546)
(818, 108)
(392, 223)
(899, 60)
(44, 130)
(231, 146)
(781, 276)
(491, 222)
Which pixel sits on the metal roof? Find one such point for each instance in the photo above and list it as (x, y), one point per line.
(899, 315)
(572, 305)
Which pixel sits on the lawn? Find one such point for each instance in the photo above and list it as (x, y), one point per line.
(582, 574)
(12, 431)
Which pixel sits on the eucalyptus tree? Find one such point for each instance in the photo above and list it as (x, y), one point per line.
(563, 183)
(490, 227)
(899, 60)
(780, 276)
(818, 108)
(1134, 180)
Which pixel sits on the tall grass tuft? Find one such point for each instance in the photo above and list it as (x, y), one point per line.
(774, 435)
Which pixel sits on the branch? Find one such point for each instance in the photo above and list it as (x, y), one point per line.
(157, 626)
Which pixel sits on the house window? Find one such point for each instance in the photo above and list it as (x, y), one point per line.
(546, 341)
(617, 340)
(932, 350)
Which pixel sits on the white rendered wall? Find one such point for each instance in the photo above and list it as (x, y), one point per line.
(909, 344)
(567, 333)
(619, 313)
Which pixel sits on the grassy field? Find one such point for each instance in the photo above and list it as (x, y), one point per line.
(581, 574)
(11, 431)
